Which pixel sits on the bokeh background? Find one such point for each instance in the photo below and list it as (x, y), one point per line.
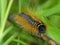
(46, 10)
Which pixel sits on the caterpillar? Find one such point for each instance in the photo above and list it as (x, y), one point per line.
(28, 22)
(41, 27)
(31, 24)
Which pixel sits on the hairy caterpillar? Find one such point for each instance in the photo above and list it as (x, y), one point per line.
(28, 22)
(41, 27)
(32, 25)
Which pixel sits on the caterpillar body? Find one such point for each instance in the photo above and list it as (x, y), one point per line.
(28, 22)
(31, 24)
(41, 27)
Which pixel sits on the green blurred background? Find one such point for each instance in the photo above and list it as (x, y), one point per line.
(47, 10)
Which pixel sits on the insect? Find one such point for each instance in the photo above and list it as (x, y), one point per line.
(40, 25)
(31, 24)
(28, 22)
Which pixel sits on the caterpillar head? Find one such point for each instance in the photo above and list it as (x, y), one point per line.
(42, 28)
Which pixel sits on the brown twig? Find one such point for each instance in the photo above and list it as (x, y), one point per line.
(48, 39)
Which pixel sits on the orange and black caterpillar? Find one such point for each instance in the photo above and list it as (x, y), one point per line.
(32, 25)
(40, 25)
(28, 22)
